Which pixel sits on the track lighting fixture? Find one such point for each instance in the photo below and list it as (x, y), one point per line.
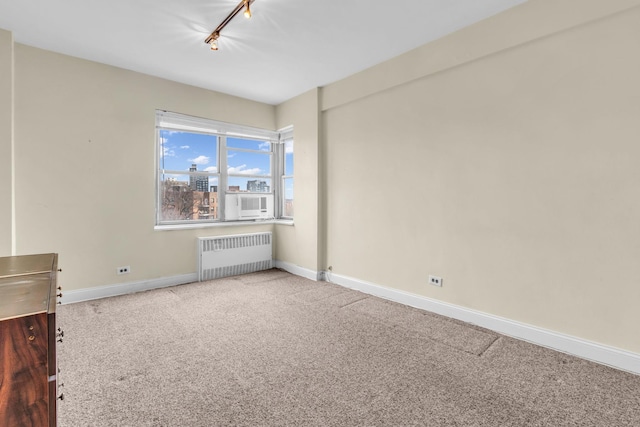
(212, 40)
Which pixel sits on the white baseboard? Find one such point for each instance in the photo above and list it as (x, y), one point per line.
(98, 292)
(595, 352)
(87, 294)
(299, 271)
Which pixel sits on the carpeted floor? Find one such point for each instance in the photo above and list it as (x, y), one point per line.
(273, 349)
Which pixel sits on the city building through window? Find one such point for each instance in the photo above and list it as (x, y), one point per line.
(210, 171)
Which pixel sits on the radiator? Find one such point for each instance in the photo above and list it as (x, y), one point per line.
(223, 256)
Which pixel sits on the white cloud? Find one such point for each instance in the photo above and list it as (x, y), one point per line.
(200, 160)
(212, 169)
(184, 147)
(241, 170)
(167, 152)
(265, 146)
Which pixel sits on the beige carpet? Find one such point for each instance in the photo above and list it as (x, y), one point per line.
(273, 349)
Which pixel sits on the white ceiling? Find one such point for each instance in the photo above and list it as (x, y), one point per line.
(287, 48)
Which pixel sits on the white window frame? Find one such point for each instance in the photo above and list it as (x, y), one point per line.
(286, 135)
(171, 121)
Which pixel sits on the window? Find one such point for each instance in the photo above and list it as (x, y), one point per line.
(248, 165)
(287, 175)
(211, 171)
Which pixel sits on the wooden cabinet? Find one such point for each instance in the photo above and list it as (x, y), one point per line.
(28, 377)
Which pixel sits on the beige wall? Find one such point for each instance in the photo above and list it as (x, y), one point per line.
(299, 245)
(85, 166)
(508, 166)
(6, 128)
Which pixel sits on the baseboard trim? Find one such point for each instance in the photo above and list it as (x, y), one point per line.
(98, 292)
(299, 271)
(610, 356)
(87, 294)
(606, 355)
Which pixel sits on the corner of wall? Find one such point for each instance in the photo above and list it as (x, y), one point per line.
(7, 180)
(301, 244)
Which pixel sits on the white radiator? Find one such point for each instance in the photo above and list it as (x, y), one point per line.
(222, 256)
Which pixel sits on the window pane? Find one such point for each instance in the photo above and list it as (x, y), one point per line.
(182, 151)
(288, 197)
(245, 163)
(288, 157)
(182, 198)
(254, 185)
(248, 144)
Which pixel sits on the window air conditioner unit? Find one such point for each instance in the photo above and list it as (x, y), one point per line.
(245, 206)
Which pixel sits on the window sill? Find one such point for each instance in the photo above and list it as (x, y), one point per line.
(169, 227)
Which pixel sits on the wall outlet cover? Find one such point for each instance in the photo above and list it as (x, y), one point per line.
(435, 280)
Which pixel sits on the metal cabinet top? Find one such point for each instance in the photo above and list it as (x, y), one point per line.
(27, 285)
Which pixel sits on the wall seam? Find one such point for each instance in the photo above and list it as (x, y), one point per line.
(12, 143)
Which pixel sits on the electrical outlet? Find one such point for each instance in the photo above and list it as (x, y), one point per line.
(435, 280)
(124, 270)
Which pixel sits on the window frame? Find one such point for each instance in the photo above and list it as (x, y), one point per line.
(170, 121)
(286, 135)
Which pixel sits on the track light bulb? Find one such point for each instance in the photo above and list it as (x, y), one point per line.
(212, 39)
